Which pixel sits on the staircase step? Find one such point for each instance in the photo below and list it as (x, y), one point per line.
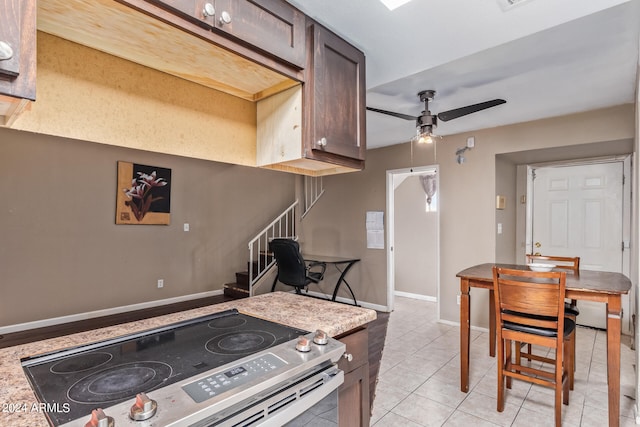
(265, 259)
(242, 280)
(231, 290)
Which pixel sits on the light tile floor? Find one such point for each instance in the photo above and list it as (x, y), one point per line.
(419, 382)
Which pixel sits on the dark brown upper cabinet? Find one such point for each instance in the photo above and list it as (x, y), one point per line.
(273, 26)
(318, 128)
(335, 100)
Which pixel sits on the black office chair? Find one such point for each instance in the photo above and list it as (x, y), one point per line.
(292, 268)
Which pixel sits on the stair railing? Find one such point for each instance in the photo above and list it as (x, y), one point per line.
(313, 189)
(260, 261)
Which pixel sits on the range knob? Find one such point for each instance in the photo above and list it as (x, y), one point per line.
(100, 419)
(320, 337)
(143, 409)
(303, 345)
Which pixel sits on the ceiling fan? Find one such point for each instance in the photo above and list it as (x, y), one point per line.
(426, 122)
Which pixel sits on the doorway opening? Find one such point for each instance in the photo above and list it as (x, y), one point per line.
(413, 223)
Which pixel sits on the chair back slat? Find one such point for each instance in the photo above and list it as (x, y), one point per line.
(531, 298)
(561, 262)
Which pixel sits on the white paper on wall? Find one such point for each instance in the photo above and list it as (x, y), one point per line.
(375, 230)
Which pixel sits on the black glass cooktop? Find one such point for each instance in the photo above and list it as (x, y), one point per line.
(74, 382)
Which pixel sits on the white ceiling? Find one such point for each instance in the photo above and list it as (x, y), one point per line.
(544, 57)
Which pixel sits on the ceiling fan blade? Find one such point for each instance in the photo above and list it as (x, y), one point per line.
(445, 116)
(391, 113)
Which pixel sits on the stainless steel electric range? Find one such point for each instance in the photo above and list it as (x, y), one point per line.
(224, 369)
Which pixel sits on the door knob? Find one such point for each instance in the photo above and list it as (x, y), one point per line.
(537, 244)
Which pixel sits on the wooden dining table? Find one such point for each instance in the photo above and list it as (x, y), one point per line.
(598, 286)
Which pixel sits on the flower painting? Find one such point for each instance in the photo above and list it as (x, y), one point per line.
(144, 194)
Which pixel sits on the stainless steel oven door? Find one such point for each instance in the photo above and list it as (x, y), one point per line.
(323, 413)
(308, 395)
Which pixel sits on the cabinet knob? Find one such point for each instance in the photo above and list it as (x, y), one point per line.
(225, 18)
(348, 356)
(5, 51)
(322, 142)
(208, 10)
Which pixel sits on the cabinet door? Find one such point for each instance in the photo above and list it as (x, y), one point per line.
(353, 394)
(353, 398)
(273, 26)
(18, 37)
(336, 108)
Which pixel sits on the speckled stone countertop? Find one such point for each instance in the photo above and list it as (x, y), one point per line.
(18, 404)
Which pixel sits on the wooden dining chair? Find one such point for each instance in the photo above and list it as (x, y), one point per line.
(571, 310)
(530, 309)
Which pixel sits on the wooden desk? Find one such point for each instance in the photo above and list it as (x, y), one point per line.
(598, 286)
(336, 262)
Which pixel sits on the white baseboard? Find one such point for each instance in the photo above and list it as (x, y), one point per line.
(473, 328)
(415, 296)
(105, 312)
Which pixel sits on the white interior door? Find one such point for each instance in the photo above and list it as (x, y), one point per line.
(578, 211)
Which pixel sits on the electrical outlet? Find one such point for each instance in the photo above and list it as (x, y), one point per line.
(160, 283)
(458, 299)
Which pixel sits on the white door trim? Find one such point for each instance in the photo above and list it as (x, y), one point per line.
(394, 177)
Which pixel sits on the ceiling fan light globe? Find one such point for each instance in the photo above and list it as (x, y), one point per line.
(425, 139)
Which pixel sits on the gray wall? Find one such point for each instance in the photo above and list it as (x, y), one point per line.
(61, 252)
(467, 198)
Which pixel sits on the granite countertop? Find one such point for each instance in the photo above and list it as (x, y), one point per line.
(18, 404)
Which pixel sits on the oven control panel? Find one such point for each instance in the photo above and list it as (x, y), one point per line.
(222, 381)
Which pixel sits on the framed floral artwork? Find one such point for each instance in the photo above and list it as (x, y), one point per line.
(144, 194)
